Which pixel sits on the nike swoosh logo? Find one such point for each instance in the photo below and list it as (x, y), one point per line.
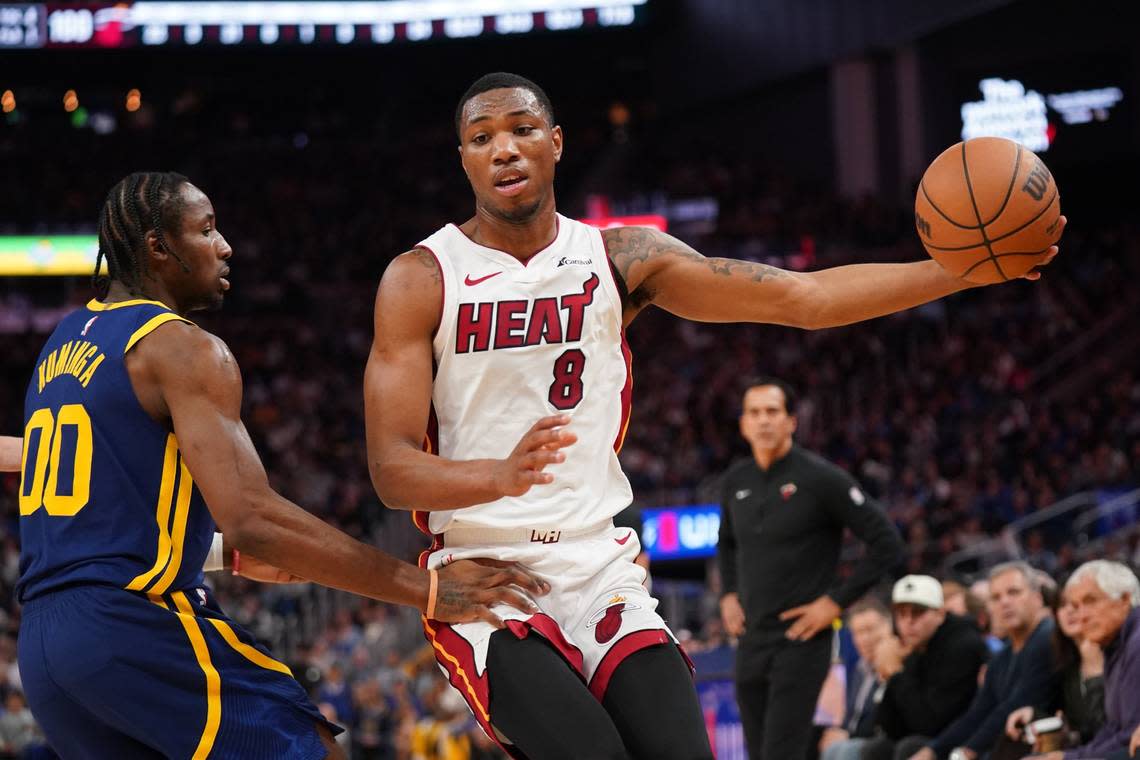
(743, 494)
(468, 281)
(621, 541)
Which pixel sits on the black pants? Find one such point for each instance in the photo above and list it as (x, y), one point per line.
(882, 748)
(649, 711)
(1008, 749)
(777, 688)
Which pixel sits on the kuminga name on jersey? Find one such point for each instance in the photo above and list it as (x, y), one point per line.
(105, 497)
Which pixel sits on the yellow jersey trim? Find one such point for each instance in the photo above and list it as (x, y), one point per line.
(178, 537)
(95, 305)
(213, 681)
(151, 325)
(161, 515)
(245, 650)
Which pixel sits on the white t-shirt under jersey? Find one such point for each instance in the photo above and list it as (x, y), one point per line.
(517, 342)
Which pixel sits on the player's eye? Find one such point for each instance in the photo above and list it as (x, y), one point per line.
(479, 139)
(525, 130)
(207, 231)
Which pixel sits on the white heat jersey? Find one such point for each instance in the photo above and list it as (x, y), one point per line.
(517, 342)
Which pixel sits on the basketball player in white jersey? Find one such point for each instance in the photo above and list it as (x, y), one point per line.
(502, 338)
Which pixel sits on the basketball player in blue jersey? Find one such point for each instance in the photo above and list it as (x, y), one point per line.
(480, 325)
(133, 452)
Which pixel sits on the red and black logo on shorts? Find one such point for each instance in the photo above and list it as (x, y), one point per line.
(606, 622)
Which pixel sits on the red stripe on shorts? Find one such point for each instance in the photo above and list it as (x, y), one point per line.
(457, 657)
(549, 629)
(623, 648)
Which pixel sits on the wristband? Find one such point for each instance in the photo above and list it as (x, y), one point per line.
(433, 587)
(237, 562)
(214, 560)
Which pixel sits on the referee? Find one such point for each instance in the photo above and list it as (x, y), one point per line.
(783, 515)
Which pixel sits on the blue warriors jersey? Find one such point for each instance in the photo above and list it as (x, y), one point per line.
(105, 497)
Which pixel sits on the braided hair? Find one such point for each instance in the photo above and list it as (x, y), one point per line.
(140, 203)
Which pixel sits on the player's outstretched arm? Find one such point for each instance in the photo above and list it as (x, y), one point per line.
(660, 269)
(192, 376)
(11, 449)
(397, 399)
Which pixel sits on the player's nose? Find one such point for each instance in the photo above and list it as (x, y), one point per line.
(504, 148)
(224, 249)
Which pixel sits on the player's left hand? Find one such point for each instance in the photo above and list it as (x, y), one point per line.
(470, 588)
(1134, 744)
(810, 619)
(1049, 255)
(256, 570)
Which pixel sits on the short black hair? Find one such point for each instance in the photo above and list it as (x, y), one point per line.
(498, 81)
(139, 203)
(783, 385)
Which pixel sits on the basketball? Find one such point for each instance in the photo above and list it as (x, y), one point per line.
(987, 209)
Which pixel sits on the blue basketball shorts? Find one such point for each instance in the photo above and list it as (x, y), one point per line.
(110, 673)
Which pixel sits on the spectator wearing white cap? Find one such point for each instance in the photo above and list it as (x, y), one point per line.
(931, 669)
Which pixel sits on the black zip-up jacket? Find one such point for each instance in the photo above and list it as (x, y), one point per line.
(935, 685)
(781, 531)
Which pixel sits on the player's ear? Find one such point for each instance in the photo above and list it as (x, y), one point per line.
(556, 138)
(155, 250)
(462, 163)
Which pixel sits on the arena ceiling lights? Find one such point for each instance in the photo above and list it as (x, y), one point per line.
(142, 24)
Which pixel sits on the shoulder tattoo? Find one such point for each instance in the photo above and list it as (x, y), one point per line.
(426, 259)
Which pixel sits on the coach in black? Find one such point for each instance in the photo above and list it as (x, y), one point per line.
(783, 516)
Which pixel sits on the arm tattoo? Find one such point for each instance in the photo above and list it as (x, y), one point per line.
(427, 259)
(628, 246)
(751, 269)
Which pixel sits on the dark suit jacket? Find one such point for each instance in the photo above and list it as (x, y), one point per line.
(860, 721)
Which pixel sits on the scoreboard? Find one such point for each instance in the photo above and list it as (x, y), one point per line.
(680, 532)
(156, 23)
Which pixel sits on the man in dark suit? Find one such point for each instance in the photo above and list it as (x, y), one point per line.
(869, 622)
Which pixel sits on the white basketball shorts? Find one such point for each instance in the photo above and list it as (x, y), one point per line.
(596, 614)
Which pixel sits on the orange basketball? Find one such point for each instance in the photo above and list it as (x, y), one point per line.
(987, 209)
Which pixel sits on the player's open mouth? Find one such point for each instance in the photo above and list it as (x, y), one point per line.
(511, 184)
(223, 279)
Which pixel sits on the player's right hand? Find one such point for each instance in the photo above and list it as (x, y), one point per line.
(539, 447)
(732, 615)
(468, 589)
